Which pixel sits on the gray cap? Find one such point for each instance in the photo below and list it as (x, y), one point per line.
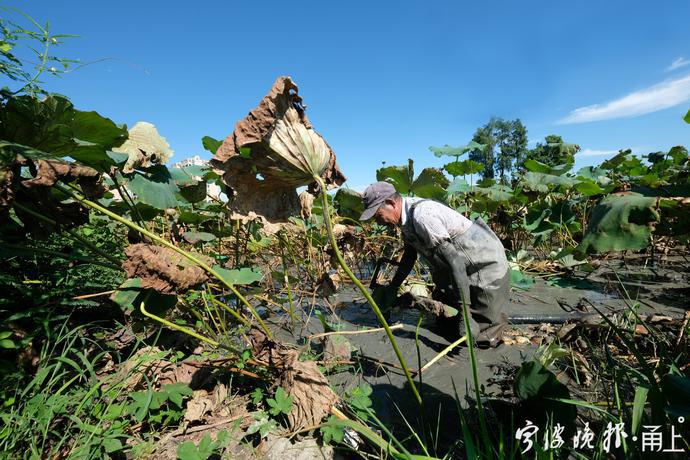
(373, 198)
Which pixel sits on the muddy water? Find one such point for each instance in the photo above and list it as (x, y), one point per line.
(613, 286)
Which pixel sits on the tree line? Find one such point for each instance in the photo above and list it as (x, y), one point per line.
(503, 149)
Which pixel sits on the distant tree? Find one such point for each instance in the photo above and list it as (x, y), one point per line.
(554, 151)
(485, 135)
(505, 148)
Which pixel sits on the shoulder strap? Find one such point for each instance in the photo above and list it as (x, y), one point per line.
(410, 214)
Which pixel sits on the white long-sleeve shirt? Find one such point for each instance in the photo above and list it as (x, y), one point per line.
(432, 222)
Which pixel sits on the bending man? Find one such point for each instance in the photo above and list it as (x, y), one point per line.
(466, 259)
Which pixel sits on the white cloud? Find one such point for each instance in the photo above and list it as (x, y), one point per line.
(677, 64)
(595, 153)
(601, 153)
(657, 97)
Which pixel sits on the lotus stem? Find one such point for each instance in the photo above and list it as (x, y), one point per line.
(473, 362)
(172, 325)
(167, 244)
(364, 290)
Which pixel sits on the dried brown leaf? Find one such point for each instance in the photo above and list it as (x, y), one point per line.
(312, 396)
(162, 269)
(264, 181)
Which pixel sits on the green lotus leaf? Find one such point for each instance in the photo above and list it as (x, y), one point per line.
(431, 183)
(462, 168)
(156, 187)
(197, 237)
(589, 188)
(401, 177)
(239, 276)
(447, 150)
(620, 221)
(348, 203)
(459, 185)
(211, 144)
(540, 182)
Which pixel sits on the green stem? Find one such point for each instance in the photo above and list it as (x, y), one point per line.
(172, 325)
(286, 279)
(125, 195)
(167, 244)
(364, 290)
(74, 234)
(230, 310)
(475, 375)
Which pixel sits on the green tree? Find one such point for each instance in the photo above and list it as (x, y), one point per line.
(554, 151)
(505, 149)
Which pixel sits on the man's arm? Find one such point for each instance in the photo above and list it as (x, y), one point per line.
(405, 266)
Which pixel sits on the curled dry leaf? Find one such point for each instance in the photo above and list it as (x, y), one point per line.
(336, 348)
(327, 285)
(200, 404)
(162, 269)
(149, 365)
(306, 201)
(302, 380)
(51, 171)
(270, 153)
(144, 147)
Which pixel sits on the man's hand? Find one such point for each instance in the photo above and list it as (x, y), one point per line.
(385, 297)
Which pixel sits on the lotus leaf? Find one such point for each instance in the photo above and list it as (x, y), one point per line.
(431, 182)
(155, 187)
(239, 276)
(539, 167)
(270, 153)
(459, 185)
(462, 168)
(447, 150)
(620, 221)
(540, 182)
(349, 203)
(145, 147)
(400, 176)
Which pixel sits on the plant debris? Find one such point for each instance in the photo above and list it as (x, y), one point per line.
(312, 396)
(162, 269)
(144, 147)
(51, 171)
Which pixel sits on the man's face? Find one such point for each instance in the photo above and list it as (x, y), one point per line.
(389, 213)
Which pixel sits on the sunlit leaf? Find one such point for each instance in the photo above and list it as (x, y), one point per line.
(589, 188)
(197, 237)
(431, 183)
(462, 168)
(447, 150)
(620, 221)
(156, 187)
(459, 185)
(348, 203)
(401, 177)
(239, 276)
(211, 144)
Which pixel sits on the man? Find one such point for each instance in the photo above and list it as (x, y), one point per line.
(467, 260)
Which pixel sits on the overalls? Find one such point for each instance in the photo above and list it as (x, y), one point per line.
(487, 286)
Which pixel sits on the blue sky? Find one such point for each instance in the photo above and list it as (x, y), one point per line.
(385, 80)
